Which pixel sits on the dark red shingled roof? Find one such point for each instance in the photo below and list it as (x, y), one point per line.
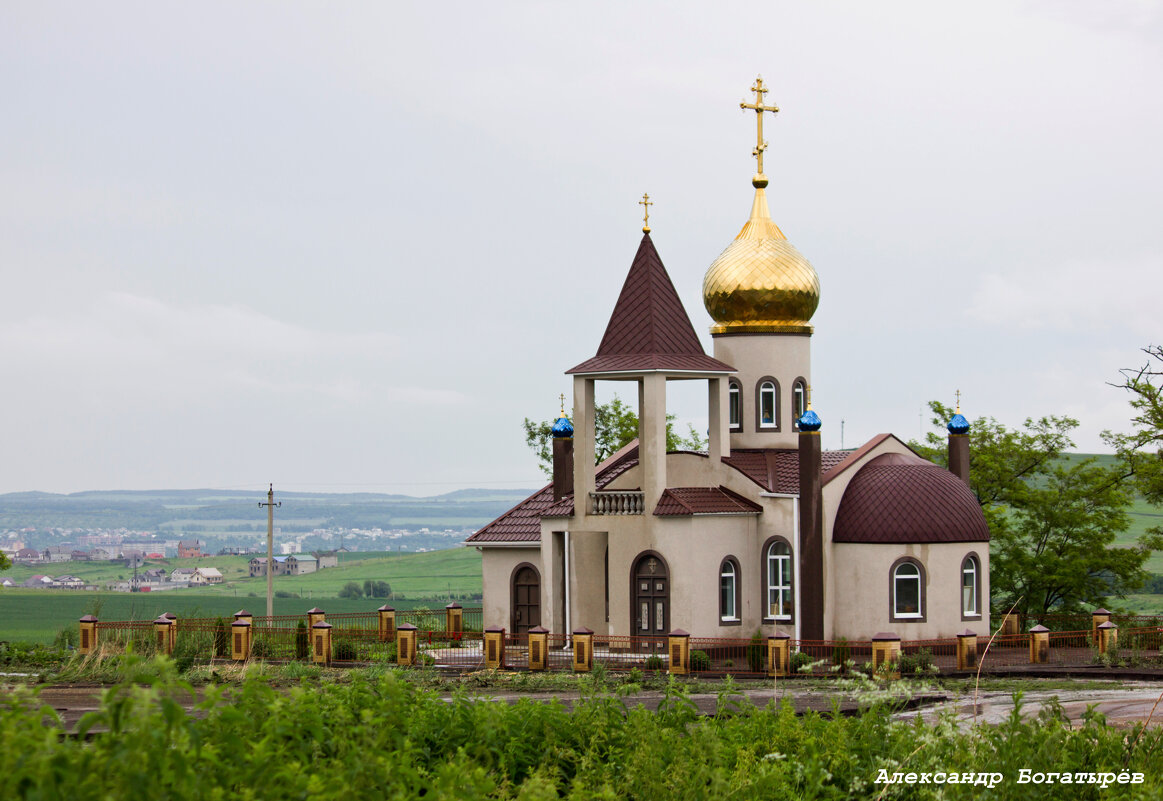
(778, 469)
(676, 501)
(649, 329)
(902, 498)
(522, 523)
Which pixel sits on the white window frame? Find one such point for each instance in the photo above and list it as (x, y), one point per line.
(897, 578)
(728, 591)
(734, 405)
(764, 389)
(799, 400)
(970, 569)
(776, 592)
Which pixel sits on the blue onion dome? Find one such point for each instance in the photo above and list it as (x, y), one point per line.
(562, 428)
(958, 425)
(810, 421)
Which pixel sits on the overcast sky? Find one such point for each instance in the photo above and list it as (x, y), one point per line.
(350, 246)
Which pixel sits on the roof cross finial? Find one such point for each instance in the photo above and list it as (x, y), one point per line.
(758, 107)
(808, 394)
(645, 203)
(958, 393)
(562, 396)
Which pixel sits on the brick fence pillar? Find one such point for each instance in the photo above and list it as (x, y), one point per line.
(886, 650)
(539, 648)
(1108, 637)
(162, 629)
(779, 654)
(679, 646)
(1097, 618)
(315, 615)
(453, 620)
(406, 644)
(583, 650)
(387, 623)
(88, 634)
(967, 650)
(321, 643)
(1039, 645)
(494, 647)
(240, 640)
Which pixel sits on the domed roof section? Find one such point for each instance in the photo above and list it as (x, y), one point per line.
(958, 424)
(902, 498)
(810, 421)
(562, 428)
(761, 283)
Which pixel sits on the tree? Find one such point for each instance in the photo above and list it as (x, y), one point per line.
(615, 426)
(1142, 451)
(351, 590)
(1053, 517)
(376, 589)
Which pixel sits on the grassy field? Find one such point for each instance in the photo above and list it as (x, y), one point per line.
(37, 615)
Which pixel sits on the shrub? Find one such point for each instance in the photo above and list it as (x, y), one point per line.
(700, 661)
(260, 648)
(351, 590)
(755, 656)
(799, 660)
(653, 662)
(302, 641)
(345, 651)
(916, 664)
(840, 654)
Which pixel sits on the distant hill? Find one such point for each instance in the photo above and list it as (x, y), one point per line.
(150, 510)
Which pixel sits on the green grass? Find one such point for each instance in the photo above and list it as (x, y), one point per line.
(37, 615)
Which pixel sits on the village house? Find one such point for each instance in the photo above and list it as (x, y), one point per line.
(189, 549)
(763, 531)
(301, 564)
(206, 575)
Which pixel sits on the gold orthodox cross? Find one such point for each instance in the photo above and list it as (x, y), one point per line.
(645, 204)
(760, 90)
(562, 396)
(958, 393)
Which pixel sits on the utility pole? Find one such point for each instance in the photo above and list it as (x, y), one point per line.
(270, 505)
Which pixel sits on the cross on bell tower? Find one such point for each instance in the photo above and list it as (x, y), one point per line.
(758, 107)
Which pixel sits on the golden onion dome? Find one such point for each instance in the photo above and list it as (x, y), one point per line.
(761, 283)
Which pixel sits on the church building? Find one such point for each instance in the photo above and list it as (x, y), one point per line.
(765, 530)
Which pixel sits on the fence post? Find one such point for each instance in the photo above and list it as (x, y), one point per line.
(538, 648)
(494, 647)
(1039, 645)
(387, 623)
(88, 634)
(453, 620)
(967, 650)
(162, 627)
(1011, 624)
(242, 614)
(406, 644)
(1108, 637)
(314, 615)
(170, 616)
(679, 644)
(321, 643)
(240, 640)
(1097, 618)
(886, 650)
(778, 654)
(583, 649)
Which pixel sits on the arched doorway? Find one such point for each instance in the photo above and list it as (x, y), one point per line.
(526, 592)
(650, 615)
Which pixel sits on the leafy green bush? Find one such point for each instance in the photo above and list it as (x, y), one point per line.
(653, 662)
(916, 664)
(302, 640)
(345, 651)
(700, 661)
(261, 648)
(799, 660)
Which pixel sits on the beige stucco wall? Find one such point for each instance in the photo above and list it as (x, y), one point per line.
(784, 357)
(863, 570)
(497, 565)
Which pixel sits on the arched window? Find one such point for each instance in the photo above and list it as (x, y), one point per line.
(799, 400)
(735, 405)
(767, 404)
(908, 590)
(729, 592)
(777, 563)
(970, 587)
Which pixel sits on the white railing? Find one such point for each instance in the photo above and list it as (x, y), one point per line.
(617, 503)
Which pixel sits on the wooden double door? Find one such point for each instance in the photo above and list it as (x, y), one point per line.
(651, 598)
(526, 599)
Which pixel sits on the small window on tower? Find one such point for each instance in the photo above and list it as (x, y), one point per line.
(735, 406)
(799, 398)
(767, 407)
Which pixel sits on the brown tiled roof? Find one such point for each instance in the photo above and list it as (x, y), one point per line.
(649, 329)
(685, 501)
(778, 469)
(522, 523)
(902, 498)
